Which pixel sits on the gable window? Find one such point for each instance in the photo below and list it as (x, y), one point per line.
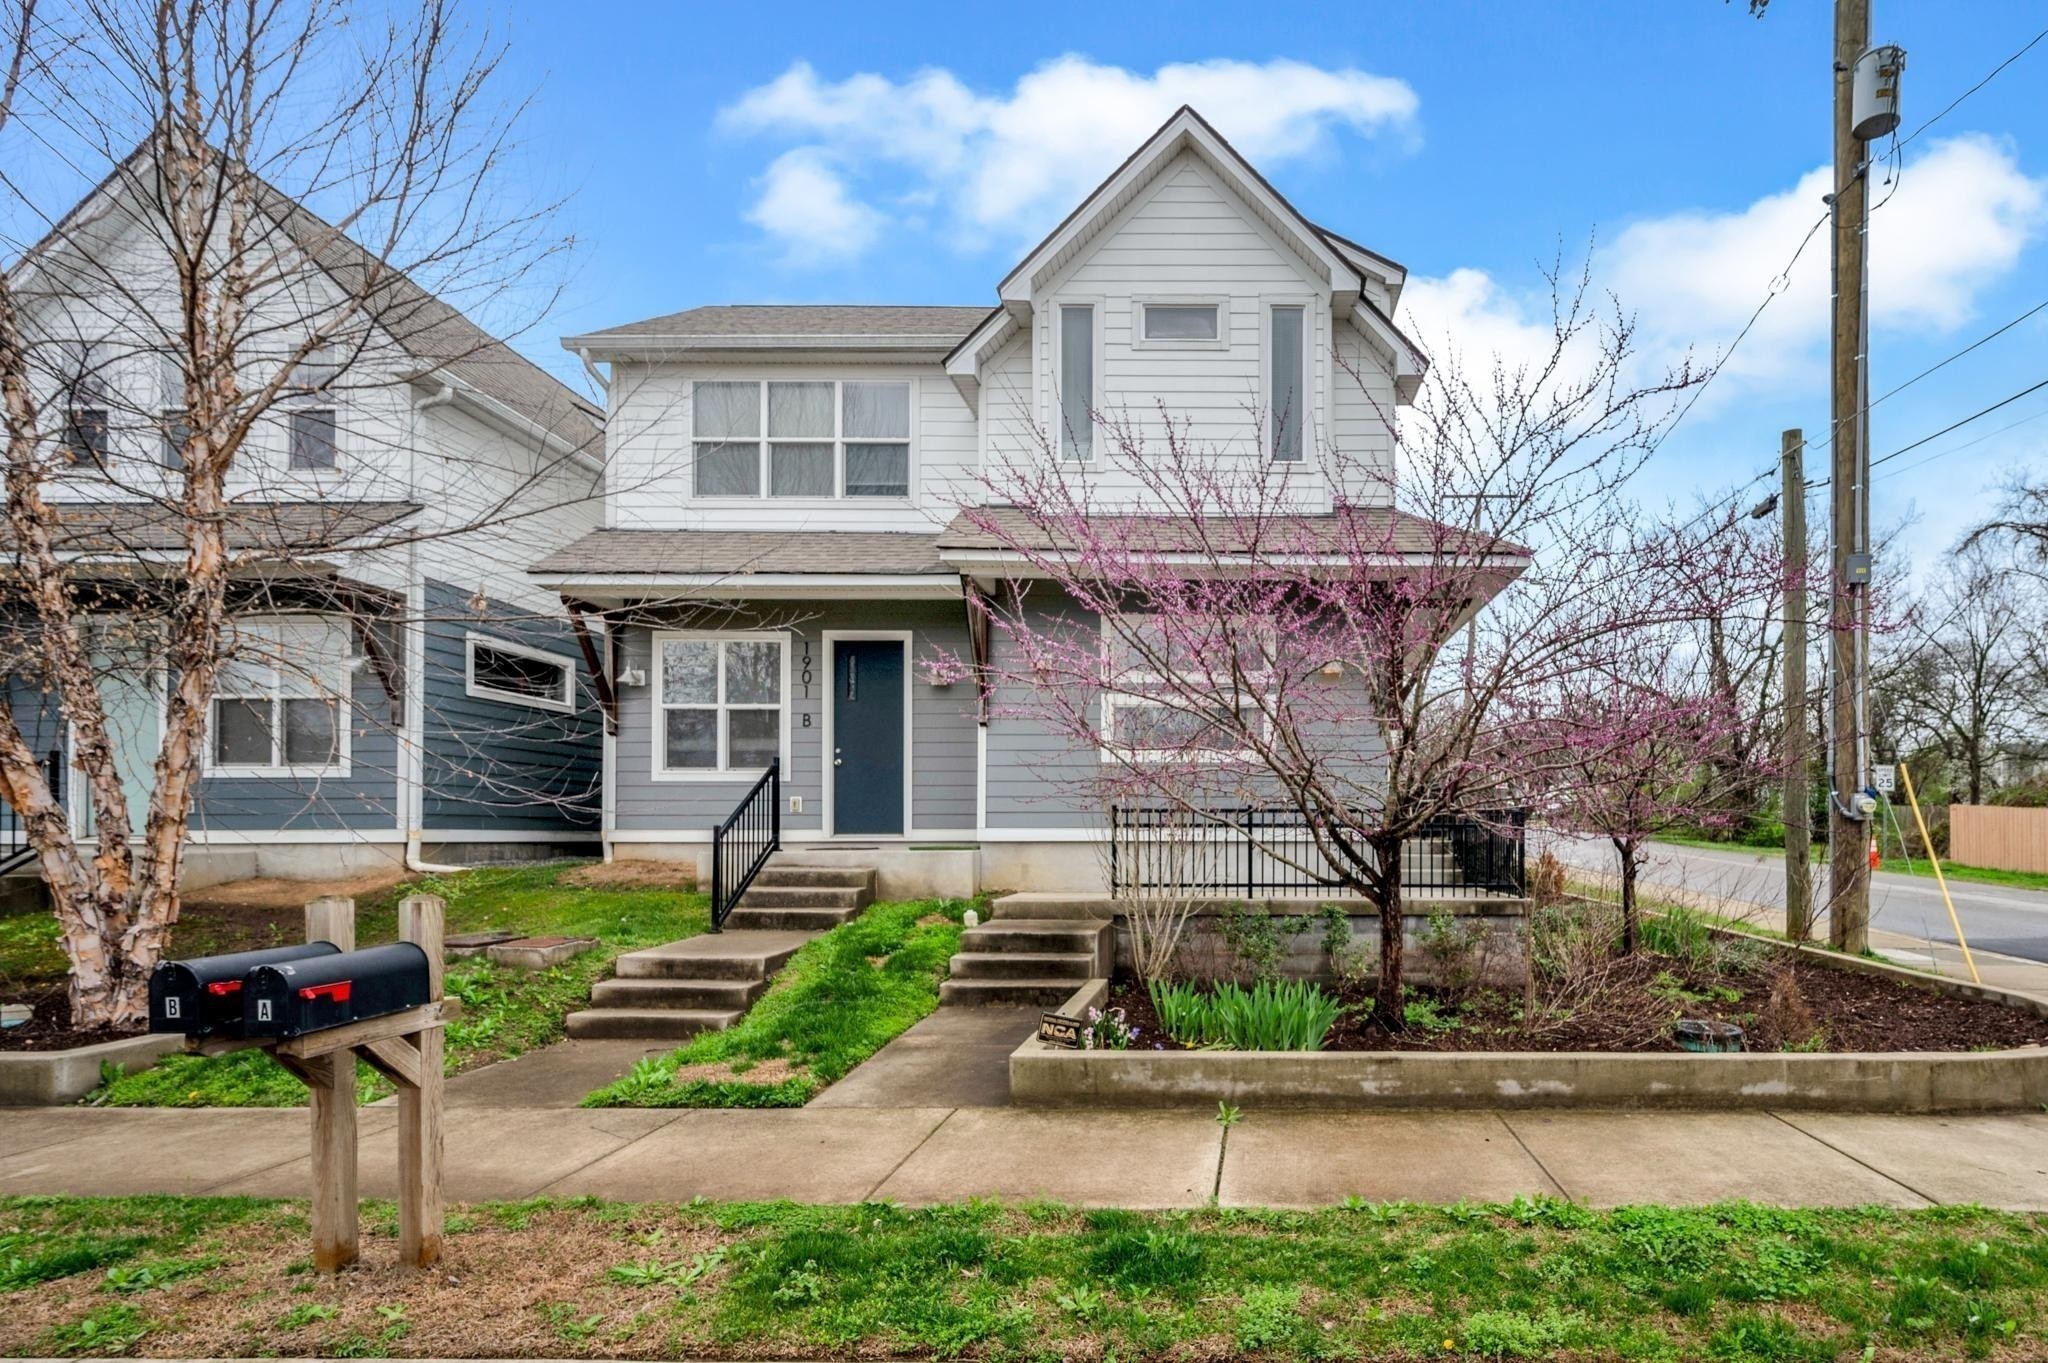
(277, 708)
(86, 404)
(171, 417)
(520, 675)
(1287, 368)
(1077, 380)
(1188, 324)
(312, 411)
(817, 438)
(718, 703)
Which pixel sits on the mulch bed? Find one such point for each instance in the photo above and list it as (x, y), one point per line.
(51, 1030)
(1818, 1007)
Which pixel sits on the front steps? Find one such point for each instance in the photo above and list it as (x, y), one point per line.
(1035, 950)
(706, 983)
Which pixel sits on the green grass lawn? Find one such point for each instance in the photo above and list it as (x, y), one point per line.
(840, 999)
(1918, 866)
(1528, 1279)
(505, 1012)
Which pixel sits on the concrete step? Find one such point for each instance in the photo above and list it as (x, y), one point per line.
(686, 994)
(750, 918)
(1037, 993)
(1023, 965)
(734, 954)
(1039, 906)
(759, 896)
(836, 877)
(1049, 936)
(650, 1024)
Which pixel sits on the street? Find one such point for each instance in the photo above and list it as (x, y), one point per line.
(1995, 918)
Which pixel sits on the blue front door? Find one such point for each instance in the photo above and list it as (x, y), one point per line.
(867, 736)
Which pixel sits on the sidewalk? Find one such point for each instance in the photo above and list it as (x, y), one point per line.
(1088, 1158)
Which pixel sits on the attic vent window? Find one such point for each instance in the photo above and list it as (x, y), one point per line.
(1182, 322)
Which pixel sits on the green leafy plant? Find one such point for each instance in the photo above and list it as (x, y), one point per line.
(111, 1329)
(1273, 1015)
(1228, 1115)
(654, 1273)
(306, 1313)
(1428, 1015)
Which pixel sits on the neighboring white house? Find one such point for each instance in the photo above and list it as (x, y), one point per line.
(780, 552)
(400, 686)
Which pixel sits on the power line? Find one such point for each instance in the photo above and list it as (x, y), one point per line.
(1993, 75)
(1967, 444)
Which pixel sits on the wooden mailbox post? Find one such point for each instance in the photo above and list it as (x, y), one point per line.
(406, 1048)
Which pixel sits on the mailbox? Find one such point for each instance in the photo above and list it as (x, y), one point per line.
(203, 996)
(292, 998)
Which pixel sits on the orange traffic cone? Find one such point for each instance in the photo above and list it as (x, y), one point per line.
(1874, 857)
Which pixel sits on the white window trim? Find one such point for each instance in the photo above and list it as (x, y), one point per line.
(1310, 406)
(344, 705)
(658, 759)
(1140, 305)
(1114, 698)
(565, 705)
(764, 443)
(1056, 418)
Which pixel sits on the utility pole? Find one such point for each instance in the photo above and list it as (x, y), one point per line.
(1798, 809)
(1848, 579)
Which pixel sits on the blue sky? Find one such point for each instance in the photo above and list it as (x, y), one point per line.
(804, 152)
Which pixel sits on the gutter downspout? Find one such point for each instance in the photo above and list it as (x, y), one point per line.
(413, 749)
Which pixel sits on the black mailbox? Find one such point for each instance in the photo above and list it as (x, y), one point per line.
(295, 997)
(203, 996)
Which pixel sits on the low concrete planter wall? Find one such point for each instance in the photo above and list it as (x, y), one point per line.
(50, 1078)
(1988, 1081)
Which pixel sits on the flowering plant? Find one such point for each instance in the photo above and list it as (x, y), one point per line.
(1107, 1031)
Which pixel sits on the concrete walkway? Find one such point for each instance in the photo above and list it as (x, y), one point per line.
(849, 1154)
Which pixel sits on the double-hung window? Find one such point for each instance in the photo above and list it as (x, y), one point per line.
(1167, 699)
(278, 706)
(815, 438)
(1287, 377)
(718, 703)
(519, 675)
(86, 404)
(313, 444)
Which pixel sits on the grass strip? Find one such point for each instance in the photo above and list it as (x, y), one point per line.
(841, 998)
(505, 1011)
(1918, 867)
(1534, 1278)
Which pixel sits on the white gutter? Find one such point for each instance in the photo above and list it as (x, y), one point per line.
(411, 752)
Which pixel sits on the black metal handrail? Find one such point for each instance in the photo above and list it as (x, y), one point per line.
(1254, 851)
(741, 845)
(14, 844)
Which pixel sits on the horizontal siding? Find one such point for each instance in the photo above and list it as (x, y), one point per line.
(1038, 777)
(942, 786)
(494, 764)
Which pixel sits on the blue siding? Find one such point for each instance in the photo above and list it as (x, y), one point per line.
(496, 765)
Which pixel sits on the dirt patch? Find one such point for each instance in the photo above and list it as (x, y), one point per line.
(51, 1030)
(278, 894)
(633, 875)
(766, 1073)
(1783, 1000)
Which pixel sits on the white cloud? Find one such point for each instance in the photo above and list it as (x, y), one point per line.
(804, 206)
(1008, 165)
(1953, 226)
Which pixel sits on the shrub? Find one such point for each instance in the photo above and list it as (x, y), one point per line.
(1547, 882)
(1682, 935)
(1273, 1015)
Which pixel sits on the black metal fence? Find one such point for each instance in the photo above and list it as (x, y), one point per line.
(741, 845)
(1259, 853)
(14, 848)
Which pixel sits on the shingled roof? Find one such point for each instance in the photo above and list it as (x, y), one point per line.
(283, 529)
(1374, 529)
(820, 322)
(737, 553)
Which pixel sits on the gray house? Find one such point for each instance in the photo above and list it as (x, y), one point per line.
(399, 690)
(783, 553)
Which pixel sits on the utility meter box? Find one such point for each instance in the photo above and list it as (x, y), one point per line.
(295, 997)
(203, 996)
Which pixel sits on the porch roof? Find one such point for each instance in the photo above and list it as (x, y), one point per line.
(1002, 530)
(291, 530)
(735, 561)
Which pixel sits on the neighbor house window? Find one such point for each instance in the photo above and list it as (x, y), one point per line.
(86, 405)
(1182, 323)
(719, 699)
(819, 438)
(278, 705)
(1167, 698)
(1289, 383)
(520, 675)
(1077, 380)
(172, 419)
(312, 411)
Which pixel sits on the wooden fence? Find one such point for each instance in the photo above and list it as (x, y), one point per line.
(1998, 837)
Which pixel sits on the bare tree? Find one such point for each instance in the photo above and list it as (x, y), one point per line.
(292, 194)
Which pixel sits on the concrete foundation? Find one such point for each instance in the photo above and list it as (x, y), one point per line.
(50, 1078)
(902, 870)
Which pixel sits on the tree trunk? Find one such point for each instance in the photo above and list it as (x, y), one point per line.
(1628, 852)
(1387, 993)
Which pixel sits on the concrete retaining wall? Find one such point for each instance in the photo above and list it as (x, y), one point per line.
(1495, 928)
(47, 1079)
